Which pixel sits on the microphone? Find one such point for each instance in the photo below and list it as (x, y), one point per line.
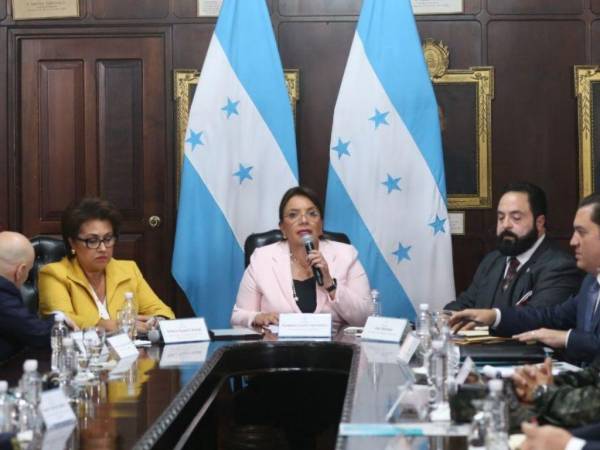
(309, 245)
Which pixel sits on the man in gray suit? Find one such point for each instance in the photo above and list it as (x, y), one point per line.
(527, 268)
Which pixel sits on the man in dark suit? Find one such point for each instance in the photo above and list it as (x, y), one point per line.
(573, 325)
(527, 268)
(18, 326)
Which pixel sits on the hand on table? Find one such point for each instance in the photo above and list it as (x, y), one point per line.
(265, 319)
(552, 338)
(469, 318)
(544, 438)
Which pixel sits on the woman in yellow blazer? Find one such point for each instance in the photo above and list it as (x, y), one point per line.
(88, 284)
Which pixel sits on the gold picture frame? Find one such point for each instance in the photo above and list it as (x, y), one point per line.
(586, 79)
(184, 86)
(478, 82)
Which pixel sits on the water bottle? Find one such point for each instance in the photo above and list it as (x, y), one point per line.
(437, 373)
(375, 305)
(424, 329)
(129, 315)
(67, 361)
(497, 433)
(57, 334)
(31, 382)
(5, 409)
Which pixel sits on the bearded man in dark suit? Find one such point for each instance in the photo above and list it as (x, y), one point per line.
(527, 268)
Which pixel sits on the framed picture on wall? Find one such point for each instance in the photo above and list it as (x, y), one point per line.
(44, 9)
(587, 91)
(184, 87)
(465, 107)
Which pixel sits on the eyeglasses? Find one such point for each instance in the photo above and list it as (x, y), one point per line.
(95, 242)
(294, 216)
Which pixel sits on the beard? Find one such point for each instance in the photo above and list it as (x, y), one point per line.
(516, 245)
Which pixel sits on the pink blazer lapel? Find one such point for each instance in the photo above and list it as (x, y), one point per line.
(283, 274)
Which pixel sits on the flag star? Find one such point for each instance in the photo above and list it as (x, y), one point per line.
(402, 252)
(379, 118)
(392, 183)
(243, 173)
(341, 148)
(195, 139)
(438, 225)
(231, 108)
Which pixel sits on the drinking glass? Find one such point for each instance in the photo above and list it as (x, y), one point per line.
(93, 340)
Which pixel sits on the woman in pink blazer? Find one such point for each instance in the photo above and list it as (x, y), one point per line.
(280, 276)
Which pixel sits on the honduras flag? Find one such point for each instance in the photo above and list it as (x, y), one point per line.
(240, 157)
(386, 186)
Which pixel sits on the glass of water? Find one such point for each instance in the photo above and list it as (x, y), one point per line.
(93, 340)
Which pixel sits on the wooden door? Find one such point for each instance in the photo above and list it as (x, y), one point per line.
(92, 121)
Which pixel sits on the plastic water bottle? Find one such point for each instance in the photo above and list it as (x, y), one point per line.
(130, 315)
(424, 328)
(497, 434)
(375, 305)
(67, 361)
(5, 409)
(57, 334)
(437, 373)
(31, 382)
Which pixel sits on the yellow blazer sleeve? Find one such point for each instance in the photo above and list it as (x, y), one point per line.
(56, 293)
(149, 303)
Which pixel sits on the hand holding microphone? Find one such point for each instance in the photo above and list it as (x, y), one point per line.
(309, 246)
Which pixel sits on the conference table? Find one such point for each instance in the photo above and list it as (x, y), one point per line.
(179, 396)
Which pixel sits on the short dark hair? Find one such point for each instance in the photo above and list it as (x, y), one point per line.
(594, 200)
(535, 195)
(303, 192)
(88, 208)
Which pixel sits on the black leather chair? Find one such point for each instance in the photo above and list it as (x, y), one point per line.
(47, 249)
(269, 237)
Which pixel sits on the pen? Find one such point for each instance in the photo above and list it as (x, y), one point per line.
(524, 299)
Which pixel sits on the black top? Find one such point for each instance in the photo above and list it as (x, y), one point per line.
(306, 291)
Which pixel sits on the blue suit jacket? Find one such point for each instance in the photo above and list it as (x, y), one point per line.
(582, 346)
(591, 435)
(18, 326)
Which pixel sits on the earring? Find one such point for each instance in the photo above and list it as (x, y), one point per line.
(72, 251)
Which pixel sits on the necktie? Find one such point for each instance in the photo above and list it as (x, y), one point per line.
(513, 264)
(592, 297)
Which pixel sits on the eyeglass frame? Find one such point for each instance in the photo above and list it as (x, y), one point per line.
(105, 240)
(312, 214)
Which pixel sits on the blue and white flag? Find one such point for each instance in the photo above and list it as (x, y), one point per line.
(240, 157)
(386, 186)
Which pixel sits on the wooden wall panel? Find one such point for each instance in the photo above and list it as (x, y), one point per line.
(463, 39)
(595, 41)
(2, 11)
(190, 44)
(61, 136)
(534, 111)
(140, 9)
(595, 6)
(319, 50)
(120, 134)
(535, 6)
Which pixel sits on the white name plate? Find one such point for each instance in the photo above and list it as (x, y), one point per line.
(409, 347)
(57, 437)
(182, 354)
(377, 352)
(384, 329)
(304, 325)
(122, 346)
(184, 330)
(55, 408)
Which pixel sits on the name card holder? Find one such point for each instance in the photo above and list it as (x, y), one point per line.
(184, 330)
(122, 346)
(304, 325)
(384, 329)
(408, 347)
(55, 409)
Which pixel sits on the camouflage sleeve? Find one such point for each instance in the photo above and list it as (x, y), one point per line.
(569, 407)
(585, 377)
